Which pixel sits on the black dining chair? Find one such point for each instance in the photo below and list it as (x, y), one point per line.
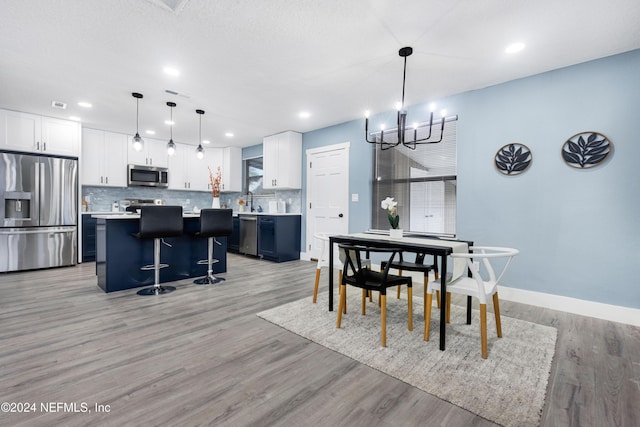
(357, 274)
(419, 266)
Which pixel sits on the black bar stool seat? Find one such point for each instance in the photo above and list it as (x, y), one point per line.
(158, 222)
(213, 223)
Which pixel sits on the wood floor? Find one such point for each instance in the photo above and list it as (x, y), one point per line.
(200, 356)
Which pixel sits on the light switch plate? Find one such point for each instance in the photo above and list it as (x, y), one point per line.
(355, 197)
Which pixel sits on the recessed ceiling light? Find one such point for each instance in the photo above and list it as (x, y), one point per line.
(228, 134)
(304, 114)
(514, 48)
(169, 122)
(171, 71)
(206, 141)
(85, 104)
(74, 118)
(150, 132)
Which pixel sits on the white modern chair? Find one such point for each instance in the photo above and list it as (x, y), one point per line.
(475, 286)
(323, 261)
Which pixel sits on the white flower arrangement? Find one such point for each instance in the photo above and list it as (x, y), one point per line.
(391, 206)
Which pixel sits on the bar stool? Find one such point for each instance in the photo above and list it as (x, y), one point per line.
(158, 222)
(213, 223)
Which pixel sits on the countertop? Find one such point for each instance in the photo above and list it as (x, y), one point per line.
(123, 215)
(268, 213)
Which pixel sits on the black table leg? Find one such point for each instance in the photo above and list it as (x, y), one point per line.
(443, 300)
(330, 275)
(468, 310)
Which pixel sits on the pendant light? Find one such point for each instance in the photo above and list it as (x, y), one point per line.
(171, 146)
(138, 142)
(402, 129)
(200, 150)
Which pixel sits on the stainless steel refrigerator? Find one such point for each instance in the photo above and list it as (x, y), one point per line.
(38, 211)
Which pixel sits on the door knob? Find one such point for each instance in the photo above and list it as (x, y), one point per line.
(340, 215)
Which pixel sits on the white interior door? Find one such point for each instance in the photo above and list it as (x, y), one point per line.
(327, 193)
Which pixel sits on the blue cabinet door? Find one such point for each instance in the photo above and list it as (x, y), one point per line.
(234, 239)
(267, 246)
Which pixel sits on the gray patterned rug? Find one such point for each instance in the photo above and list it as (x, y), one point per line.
(508, 388)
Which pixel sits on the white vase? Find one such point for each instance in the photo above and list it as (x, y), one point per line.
(395, 233)
(215, 203)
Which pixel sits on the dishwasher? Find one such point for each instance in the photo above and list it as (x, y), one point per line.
(249, 234)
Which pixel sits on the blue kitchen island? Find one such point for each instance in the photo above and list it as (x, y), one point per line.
(120, 255)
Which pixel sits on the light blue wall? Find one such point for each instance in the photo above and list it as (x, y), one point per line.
(578, 230)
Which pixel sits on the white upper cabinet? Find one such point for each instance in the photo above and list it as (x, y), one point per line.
(232, 169)
(177, 169)
(153, 153)
(282, 161)
(104, 158)
(187, 172)
(37, 134)
(61, 137)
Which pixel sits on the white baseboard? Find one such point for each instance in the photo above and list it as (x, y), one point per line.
(614, 313)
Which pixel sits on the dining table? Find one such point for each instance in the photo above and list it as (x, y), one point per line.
(441, 248)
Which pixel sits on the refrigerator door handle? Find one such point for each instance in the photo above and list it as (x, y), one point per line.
(12, 232)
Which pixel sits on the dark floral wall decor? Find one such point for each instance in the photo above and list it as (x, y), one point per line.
(586, 149)
(513, 159)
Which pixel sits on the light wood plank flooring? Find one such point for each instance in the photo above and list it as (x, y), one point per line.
(200, 356)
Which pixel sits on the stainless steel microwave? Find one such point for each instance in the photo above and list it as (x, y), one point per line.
(147, 176)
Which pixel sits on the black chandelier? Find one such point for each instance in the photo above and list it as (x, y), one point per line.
(401, 132)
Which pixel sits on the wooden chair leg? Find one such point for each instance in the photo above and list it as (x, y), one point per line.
(370, 296)
(364, 302)
(399, 274)
(315, 287)
(424, 299)
(448, 307)
(344, 309)
(427, 315)
(410, 309)
(343, 297)
(483, 329)
(383, 315)
(496, 311)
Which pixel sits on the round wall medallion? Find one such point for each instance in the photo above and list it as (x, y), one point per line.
(513, 159)
(586, 149)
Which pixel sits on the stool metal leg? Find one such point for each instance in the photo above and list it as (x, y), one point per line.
(210, 279)
(156, 289)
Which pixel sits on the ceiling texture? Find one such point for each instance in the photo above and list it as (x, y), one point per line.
(254, 65)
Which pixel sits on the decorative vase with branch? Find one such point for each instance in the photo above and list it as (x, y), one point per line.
(215, 181)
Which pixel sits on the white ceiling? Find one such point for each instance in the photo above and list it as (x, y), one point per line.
(253, 65)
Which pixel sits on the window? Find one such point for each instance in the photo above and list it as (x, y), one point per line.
(422, 181)
(253, 175)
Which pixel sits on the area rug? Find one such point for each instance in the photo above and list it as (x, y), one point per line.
(508, 388)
